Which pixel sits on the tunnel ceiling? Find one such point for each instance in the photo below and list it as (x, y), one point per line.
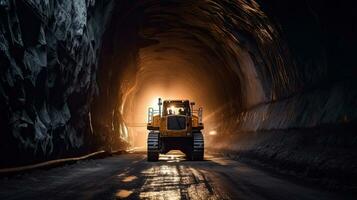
(228, 56)
(218, 53)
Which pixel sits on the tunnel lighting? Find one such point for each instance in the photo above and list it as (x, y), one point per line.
(213, 132)
(154, 103)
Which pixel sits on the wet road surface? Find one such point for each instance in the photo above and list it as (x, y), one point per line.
(130, 176)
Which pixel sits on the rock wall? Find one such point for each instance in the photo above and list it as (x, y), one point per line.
(48, 61)
(308, 131)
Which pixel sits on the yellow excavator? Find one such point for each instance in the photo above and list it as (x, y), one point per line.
(175, 126)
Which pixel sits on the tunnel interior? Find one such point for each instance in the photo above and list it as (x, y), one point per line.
(276, 79)
(226, 66)
(243, 59)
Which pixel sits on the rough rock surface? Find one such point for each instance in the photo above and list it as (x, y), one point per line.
(48, 61)
(309, 130)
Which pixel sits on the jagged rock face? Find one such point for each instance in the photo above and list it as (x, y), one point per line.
(49, 54)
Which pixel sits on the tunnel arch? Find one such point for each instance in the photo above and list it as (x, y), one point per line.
(228, 65)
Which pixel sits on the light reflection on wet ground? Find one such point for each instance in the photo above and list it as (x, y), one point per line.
(168, 179)
(129, 179)
(122, 194)
(130, 176)
(172, 156)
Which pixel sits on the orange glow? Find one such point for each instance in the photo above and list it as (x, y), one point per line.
(170, 78)
(129, 179)
(143, 96)
(213, 132)
(123, 193)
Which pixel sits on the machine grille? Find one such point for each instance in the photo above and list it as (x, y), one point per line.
(176, 122)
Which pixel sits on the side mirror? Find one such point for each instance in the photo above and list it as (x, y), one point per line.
(159, 103)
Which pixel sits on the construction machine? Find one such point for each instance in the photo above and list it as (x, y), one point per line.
(175, 126)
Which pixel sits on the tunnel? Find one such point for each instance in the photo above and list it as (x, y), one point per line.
(276, 79)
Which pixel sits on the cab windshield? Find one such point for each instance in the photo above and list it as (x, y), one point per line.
(176, 110)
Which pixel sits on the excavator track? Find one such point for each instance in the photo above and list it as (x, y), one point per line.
(153, 146)
(198, 146)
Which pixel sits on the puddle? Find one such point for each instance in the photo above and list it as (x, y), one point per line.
(129, 179)
(121, 194)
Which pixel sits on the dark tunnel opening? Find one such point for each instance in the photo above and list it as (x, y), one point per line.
(276, 79)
